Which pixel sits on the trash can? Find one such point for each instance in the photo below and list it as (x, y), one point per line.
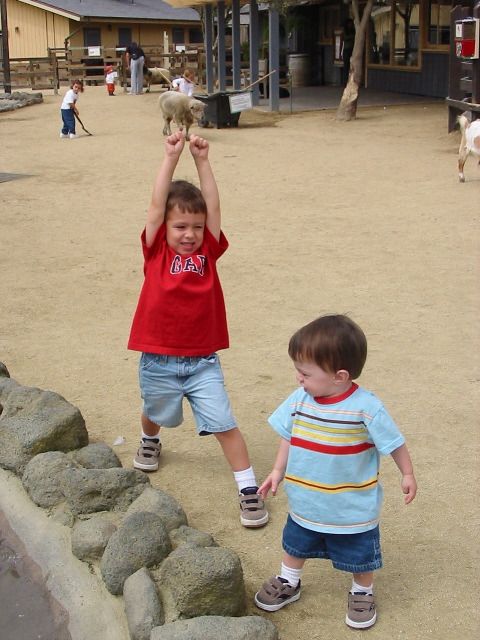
(217, 109)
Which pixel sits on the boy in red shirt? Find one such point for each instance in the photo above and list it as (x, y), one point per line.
(180, 321)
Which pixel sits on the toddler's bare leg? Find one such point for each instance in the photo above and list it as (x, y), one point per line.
(364, 579)
(292, 562)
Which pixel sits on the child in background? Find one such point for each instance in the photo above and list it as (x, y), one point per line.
(69, 109)
(110, 76)
(185, 84)
(332, 433)
(180, 322)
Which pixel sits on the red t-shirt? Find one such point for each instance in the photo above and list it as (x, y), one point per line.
(181, 310)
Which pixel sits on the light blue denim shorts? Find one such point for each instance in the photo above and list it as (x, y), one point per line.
(166, 380)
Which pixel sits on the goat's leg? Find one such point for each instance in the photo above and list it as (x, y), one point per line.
(462, 158)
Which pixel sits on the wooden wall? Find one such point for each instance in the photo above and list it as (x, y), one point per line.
(32, 31)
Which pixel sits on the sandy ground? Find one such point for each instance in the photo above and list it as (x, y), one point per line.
(366, 218)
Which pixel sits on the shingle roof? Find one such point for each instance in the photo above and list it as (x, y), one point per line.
(133, 9)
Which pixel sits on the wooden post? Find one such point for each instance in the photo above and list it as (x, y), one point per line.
(7, 85)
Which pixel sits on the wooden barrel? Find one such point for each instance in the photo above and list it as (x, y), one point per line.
(299, 68)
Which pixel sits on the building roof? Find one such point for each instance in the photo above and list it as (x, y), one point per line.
(126, 9)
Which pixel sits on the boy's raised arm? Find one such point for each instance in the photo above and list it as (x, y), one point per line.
(208, 186)
(156, 211)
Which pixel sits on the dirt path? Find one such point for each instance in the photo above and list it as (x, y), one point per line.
(366, 218)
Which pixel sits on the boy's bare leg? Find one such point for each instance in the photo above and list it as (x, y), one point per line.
(252, 509)
(149, 428)
(147, 455)
(234, 449)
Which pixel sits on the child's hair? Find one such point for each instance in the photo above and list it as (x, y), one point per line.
(186, 196)
(79, 82)
(332, 342)
(188, 73)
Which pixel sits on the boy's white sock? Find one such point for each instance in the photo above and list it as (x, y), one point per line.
(292, 575)
(359, 588)
(145, 437)
(245, 478)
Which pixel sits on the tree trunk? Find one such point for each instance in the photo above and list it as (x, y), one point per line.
(347, 109)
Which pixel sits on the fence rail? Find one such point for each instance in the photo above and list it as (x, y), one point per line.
(61, 66)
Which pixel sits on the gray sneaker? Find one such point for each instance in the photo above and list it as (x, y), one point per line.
(276, 593)
(361, 612)
(252, 508)
(147, 455)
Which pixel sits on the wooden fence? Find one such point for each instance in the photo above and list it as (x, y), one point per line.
(88, 63)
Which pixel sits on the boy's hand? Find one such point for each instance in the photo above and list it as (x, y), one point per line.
(409, 487)
(174, 144)
(198, 146)
(272, 483)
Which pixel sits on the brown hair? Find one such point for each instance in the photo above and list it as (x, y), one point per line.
(186, 196)
(332, 342)
(79, 82)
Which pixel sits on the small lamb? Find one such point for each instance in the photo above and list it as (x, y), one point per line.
(179, 107)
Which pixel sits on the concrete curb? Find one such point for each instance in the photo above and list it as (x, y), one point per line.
(93, 611)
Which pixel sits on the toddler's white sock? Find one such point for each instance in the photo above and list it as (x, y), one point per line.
(245, 478)
(359, 588)
(292, 575)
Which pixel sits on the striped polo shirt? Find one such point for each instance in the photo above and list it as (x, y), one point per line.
(331, 478)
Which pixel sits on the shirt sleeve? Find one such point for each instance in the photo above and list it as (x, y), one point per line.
(384, 432)
(282, 418)
(216, 248)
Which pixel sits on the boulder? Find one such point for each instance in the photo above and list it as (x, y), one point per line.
(141, 541)
(201, 581)
(91, 490)
(217, 628)
(142, 606)
(42, 478)
(35, 421)
(161, 503)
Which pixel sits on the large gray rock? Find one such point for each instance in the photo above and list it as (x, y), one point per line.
(201, 581)
(90, 537)
(188, 535)
(91, 490)
(161, 503)
(4, 371)
(36, 421)
(142, 606)
(97, 455)
(41, 478)
(217, 628)
(141, 541)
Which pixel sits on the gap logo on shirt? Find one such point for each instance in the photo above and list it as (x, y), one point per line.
(195, 264)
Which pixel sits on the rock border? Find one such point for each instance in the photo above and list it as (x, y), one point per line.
(174, 581)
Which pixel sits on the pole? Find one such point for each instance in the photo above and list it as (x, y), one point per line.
(7, 85)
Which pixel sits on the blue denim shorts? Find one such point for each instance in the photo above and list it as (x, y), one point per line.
(352, 552)
(166, 380)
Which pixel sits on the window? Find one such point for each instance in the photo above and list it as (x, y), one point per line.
(438, 22)
(195, 36)
(91, 37)
(124, 36)
(178, 36)
(394, 33)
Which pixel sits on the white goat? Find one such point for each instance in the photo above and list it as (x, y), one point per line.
(179, 107)
(156, 75)
(469, 144)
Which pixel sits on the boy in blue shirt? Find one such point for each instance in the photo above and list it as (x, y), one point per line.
(333, 433)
